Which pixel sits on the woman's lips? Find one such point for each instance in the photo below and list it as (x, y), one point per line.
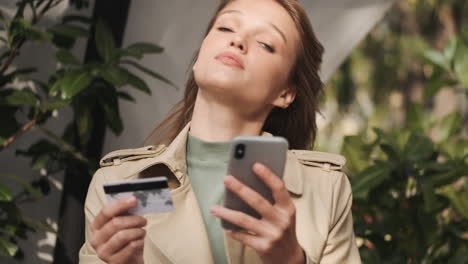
(231, 59)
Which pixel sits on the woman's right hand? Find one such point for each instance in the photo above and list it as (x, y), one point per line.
(119, 239)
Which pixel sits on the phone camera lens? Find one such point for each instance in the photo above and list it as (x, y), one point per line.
(239, 151)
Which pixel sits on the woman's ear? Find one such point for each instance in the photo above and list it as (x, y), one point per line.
(285, 98)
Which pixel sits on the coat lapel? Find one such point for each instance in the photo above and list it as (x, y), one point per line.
(180, 235)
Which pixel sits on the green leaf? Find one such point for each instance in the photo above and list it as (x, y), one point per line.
(418, 148)
(74, 81)
(450, 125)
(56, 87)
(21, 29)
(85, 124)
(114, 75)
(5, 193)
(457, 149)
(10, 229)
(38, 225)
(390, 151)
(430, 200)
(438, 59)
(461, 64)
(70, 31)
(66, 57)
(138, 49)
(356, 153)
(446, 177)
(40, 162)
(112, 115)
(387, 140)
(20, 98)
(458, 199)
(137, 83)
(435, 83)
(27, 187)
(56, 104)
(77, 18)
(126, 96)
(7, 249)
(148, 71)
(415, 116)
(368, 179)
(449, 51)
(105, 42)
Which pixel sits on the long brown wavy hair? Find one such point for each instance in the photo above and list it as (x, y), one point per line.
(297, 122)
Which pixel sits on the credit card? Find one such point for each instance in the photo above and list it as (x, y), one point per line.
(153, 195)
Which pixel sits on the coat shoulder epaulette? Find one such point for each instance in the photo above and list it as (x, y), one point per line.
(117, 157)
(323, 160)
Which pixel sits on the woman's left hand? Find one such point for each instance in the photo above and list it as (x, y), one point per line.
(273, 236)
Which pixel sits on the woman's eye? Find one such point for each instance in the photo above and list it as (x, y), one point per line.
(268, 47)
(224, 29)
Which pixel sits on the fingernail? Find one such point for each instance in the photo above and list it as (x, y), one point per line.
(214, 210)
(258, 166)
(227, 179)
(131, 199)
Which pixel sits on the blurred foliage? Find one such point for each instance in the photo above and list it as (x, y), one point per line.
(27, 103)
(398, 109)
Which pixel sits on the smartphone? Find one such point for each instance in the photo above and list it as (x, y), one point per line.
(153, 195)
(244, 152)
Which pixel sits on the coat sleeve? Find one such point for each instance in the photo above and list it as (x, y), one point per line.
(341, 243)
(93, 204)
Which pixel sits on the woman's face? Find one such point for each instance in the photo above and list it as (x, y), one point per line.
(247, 55)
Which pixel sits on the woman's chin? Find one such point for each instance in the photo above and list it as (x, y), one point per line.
(219, 81)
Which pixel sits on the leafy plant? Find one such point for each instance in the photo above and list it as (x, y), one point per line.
(410, 185)
(79, 86)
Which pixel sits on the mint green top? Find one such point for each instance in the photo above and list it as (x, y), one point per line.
(206, 168)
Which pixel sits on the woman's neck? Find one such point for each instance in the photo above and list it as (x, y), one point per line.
(213, 121)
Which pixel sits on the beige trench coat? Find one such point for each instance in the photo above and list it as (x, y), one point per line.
(318, 188)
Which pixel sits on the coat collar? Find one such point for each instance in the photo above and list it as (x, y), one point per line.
(175, 154)
(174, 157)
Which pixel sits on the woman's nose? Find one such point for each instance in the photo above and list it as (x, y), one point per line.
(239, 42)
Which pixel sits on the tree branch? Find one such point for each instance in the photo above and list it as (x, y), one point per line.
(18, 133)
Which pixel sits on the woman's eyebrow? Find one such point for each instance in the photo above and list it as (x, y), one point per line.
(269, 23)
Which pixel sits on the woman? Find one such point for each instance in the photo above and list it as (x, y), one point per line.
(256, 71)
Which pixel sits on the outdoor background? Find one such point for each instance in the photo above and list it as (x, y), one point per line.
(395, 105)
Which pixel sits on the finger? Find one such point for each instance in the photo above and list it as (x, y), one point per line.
(128, 254)
(277, 186)
(113, 209)
(256, 243)
(119, 241)
(114, 225)
(251, 197)
(240, 219)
